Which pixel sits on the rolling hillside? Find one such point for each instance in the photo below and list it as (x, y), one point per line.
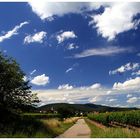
(82, 107)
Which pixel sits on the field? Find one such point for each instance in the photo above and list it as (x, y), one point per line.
(97, 131)
(115, 124)
(123, 124)
(124, 117)
(41, 115)
(57, 127)
(34, 125)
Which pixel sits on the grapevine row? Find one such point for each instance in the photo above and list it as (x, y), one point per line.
(125, 117)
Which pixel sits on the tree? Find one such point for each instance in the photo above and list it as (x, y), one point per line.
(15, 92)
(66, 112)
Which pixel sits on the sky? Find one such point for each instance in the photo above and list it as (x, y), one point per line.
(76, 52)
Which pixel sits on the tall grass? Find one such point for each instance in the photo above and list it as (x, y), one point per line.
(57, 126)
(21, 126)
(71, 120)
(31, 126)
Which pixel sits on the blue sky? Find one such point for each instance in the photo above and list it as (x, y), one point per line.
(76, 52)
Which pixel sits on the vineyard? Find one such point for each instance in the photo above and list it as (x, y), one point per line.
(124, 117)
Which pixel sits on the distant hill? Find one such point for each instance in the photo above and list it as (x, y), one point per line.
(82, 107)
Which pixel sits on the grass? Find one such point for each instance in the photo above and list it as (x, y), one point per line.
(26, 127)
(111, 132)
(41, 115)
(24, 135)
(57, 127)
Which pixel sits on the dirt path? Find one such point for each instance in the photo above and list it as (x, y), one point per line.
(78, 130)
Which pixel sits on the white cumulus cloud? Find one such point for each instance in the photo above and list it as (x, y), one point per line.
(40, 80)
(12, 32)
(116, 18)
(65, 87)
(47, 10)
(136, 73)
(127, 67)
(132, 84)
(132, 100)
(95, 86)
(65, 35)
(37, 37)
(72, 46)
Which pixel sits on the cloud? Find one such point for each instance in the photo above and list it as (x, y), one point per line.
(72, 68)
(68, 70)
(12, 32)
(48, 10)
(65, 87)
(116, 18)
(129, 95)
(65, 35)
(95, 86)
(106, 51)
(38, 37)
(72, 46)
(127, 67)
(132, 84)
(86, 94)
(95, 99)
(108, 92)
(112, 100)
(31, 73)
(132, 100)
(40, 80)
(136, 73)
(75, 95)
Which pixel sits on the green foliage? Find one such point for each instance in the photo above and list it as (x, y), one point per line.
(81, 108)
(15, 93)
(125, 117)
(15, 96)
(34, 128)
(66, 112)
(21, 126)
